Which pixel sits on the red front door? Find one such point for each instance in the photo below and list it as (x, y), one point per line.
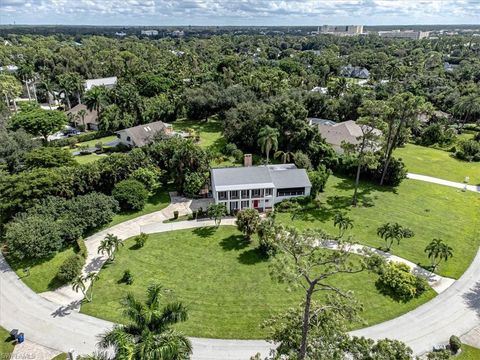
(255, 204)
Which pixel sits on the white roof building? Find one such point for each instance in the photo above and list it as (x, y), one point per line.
(108, 82)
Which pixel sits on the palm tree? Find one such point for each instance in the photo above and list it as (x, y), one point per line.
(109, 245)
(82, 113)
(437, 251)
(95, 98)
(393, 231)
(91, 277)
(467, 107)
(268, 140)
(79, 284)
(285, 155)
(148, 335)
(342, 222)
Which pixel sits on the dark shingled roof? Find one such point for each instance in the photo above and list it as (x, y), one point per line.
(143, 134)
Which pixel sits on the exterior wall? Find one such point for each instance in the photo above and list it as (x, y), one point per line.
(123, 137)
(263, 202)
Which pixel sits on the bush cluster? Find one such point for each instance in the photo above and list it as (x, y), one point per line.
(469, 150)
(397, 280)
(70, 269)
(131, 194)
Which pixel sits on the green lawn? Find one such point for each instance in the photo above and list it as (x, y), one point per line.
(438, 163)
(224, 282)
(43, 272)
(431, 211)
(468, 353)
(6, 344)
(85, 159)
(210, 132)
(91, 143)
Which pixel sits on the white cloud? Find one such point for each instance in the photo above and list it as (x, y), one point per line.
(239, 12)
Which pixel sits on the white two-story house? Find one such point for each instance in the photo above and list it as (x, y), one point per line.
(258, 187)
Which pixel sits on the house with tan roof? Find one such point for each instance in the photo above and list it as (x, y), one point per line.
(338, 133)
(80, 115)
(142, 135)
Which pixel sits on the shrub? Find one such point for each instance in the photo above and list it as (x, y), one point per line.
(455, 343)
(70, 269)
(439, 355)
(397, 280)
(194, 182)
(82, 248)
(469, 150)
(238, 155)
(229, 149)
(32, 237)
(48, 157)
(131, 194)
(148, 176)
(318, 178)
(266, 236)
(141, 240)
(247, 222)
(302, 160)
(127, 277)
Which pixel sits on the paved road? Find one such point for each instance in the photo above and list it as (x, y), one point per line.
(455, 311)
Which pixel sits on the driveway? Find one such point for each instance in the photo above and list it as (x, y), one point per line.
(455, 311)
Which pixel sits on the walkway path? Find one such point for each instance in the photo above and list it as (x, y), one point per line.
(474, 188)
(455, 311)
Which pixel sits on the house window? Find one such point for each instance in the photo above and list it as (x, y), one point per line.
(256, 193)
(291, 192)
(233, 195)
(268, 192)
(222, 195)
(245, 204)
(129, 138)
(245, 194)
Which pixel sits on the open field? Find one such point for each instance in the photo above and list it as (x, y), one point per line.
(431, 211)
(438, 163)
(224, 281)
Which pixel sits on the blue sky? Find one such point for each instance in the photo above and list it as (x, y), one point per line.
(239, 12)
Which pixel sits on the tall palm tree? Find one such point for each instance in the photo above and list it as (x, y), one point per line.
(148, 335)
(95, 98)
(78, 283)
(109, 245)
(82, 113)
(437, 251)
(268, 140)
(285, 155)
(85, 285)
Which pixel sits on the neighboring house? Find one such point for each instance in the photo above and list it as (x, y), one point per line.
(319, 89)
(450, 67)
(345, 132)
(318, 121)
(141, 135)
(355, 72)
(258, 187)
(149, 32)
(109, 82)
(9, 68)
(90, 120)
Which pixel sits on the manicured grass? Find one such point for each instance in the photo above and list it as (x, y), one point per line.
(42, 272)
(210, 132)
(85, 159)
(156, 202)
(91, 143)
(224, 282)
(6, 344)
(62, 356)
(468, 353)
(431, 211)
(438, 163)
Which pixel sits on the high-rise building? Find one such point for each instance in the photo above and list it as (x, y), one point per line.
(341, 29)
(407, 34)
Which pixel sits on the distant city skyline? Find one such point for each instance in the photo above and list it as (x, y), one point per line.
(239, 12)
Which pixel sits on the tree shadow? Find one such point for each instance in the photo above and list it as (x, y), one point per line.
(205, 232)
(386, 291)
(135, 247)
(55, 283)
(252, 257)
(234, 242)
(472, 298)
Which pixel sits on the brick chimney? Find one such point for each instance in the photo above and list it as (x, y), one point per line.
(247, 160)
